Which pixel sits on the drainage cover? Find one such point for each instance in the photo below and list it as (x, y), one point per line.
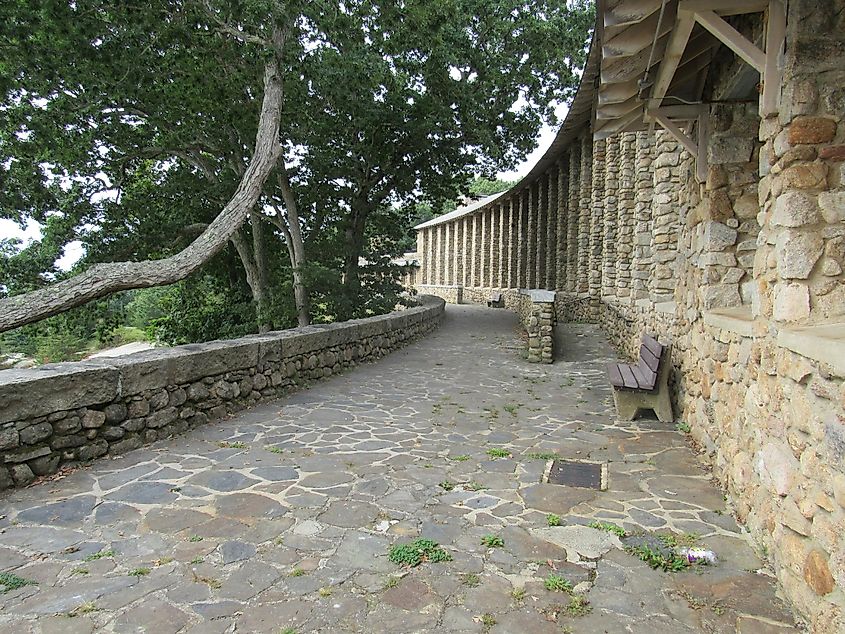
(586, 475)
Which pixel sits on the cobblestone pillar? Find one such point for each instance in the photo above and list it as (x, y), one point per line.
(466, 246)
(476, 251)
(585, 199)
(551, 233)
(597, 218)
(538, 317)
(572, 217)
(521, 248)
(531, 237)
(542, 224)
(642, 216)
(625, 214)
(665, 218)
(562, 220)
(460, 254)
(500, 246)
(611, 186)
(448, 253)
(513, 242)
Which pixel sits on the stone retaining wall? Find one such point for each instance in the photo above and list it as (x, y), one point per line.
(66, 413)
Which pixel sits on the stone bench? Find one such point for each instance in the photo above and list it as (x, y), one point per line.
(644, 385)
(495, 300)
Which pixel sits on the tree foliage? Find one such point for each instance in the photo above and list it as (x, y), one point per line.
(129, 126)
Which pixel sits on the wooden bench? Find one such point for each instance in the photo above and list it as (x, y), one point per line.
(644, 385)
(495, 300)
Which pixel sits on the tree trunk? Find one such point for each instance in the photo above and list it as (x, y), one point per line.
(353, 249)
(254, 260)
(262, 298)
(296, 249)
(107, 278)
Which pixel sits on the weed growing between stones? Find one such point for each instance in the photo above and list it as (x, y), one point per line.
(79, 571)
(211, 582)
(10, 581)
(461, 458)
(610, 527)
(391, 582)
(553, 520)
(471, 580)
(670, 562)
(474, 486)
(488, 620)
(556, 583)
(511, 408)
(276, 450)
(297, 572)
(671, 540)
(231, 445)
(417, 552)
(195, 538)
(100, 555)
(197, 560)
(325, 592)
(446, 485)
(518, 595)
(492, 541)
(139, 572)
(578, 606)
(541, 456)
(683, 428)
(84, 608)
(498, 452)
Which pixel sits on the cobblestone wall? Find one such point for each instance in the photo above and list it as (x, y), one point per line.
(537, 314)
(63, 414)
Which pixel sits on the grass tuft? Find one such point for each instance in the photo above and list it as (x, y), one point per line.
(492, 541)
(417, 552)
(556, 583)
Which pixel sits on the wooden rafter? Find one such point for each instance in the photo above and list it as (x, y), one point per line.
(732, 38)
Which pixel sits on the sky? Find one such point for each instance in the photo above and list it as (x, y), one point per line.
(73, 251)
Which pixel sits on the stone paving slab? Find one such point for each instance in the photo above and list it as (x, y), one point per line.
(281, 518)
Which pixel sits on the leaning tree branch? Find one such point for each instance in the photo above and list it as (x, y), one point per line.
(107, 278)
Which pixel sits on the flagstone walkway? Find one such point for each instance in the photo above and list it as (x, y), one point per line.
(281, 519)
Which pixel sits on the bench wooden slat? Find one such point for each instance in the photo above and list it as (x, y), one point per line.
(628, 376)
(645, 380)
(615, 375)
(653, 345)
(650, 359)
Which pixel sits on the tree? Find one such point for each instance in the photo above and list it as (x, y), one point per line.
(99, 114)
(131, 126)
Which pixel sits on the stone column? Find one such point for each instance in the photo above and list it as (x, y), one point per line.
(474, 250)
(642, 216)
(466, 247)
(531, 251)
(501, 246)
(611, 186)
(584, 213)
(519, 208)
(551, 229)
(483, 240)
(597, 218)
(562, 220)
(572, 217)
(625, 213)
(542, 229)
(447, 254)
(513, 242)
(460, 255)
(665, 219)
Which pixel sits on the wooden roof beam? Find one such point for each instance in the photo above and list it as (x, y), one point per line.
(725, 7)
(732, 38)
(672, 56)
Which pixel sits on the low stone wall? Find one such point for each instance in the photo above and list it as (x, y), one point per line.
(537, 313)
(449, 294)
(66, 413)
